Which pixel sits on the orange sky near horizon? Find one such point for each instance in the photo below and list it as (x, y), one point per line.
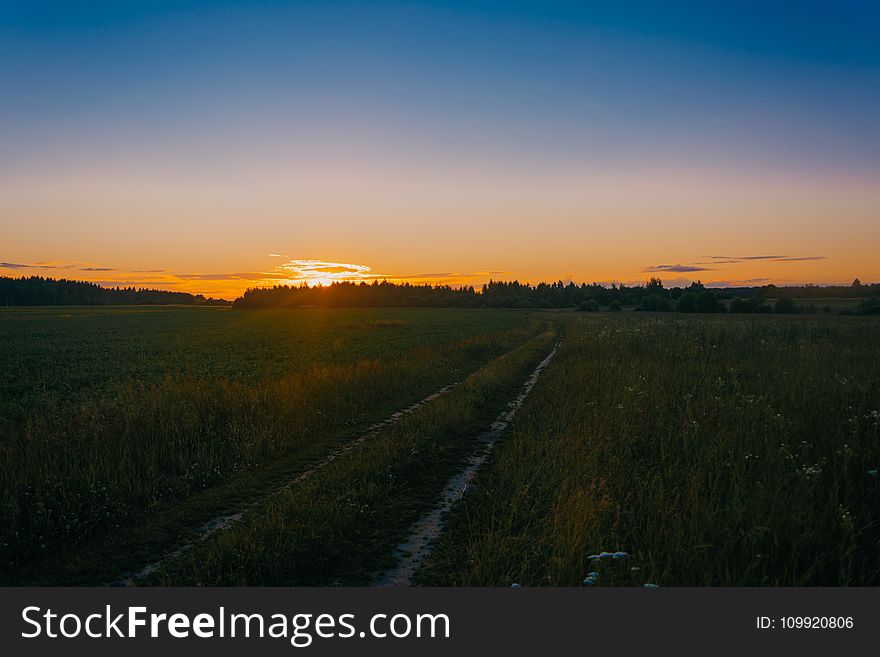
(180, 147)
(223, 235)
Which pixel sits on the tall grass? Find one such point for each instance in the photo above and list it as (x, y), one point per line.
(96, 465)
(343, 523)
(714, 451)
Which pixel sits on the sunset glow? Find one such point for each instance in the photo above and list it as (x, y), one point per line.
(213, 149)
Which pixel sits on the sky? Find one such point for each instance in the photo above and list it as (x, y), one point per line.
(215, 146)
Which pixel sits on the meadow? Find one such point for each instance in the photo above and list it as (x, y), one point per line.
(125, 429)
(275, 447)
(712, 451)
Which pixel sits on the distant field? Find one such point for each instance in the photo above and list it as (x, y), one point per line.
(64, 355)
(211, 446)
(834, 304)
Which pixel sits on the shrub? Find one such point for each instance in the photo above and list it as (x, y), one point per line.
(655, 303)
(706, 302)
(687, 303)
(869, 307)
(785, 305)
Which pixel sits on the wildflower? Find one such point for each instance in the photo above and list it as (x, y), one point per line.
(515, 586)
(648, 585)
(605, 555)
(872, 472)
(589, 581)
(593, 574)
(620, 555)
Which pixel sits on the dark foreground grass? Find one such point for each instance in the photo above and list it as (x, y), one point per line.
(714, 451)
(90, 485)
(342, 524)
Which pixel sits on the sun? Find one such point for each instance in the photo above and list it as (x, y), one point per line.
(324, 273)
(321, 281)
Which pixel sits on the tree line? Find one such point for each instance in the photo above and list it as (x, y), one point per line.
(649, 297)
(39, 291)
(652, 296)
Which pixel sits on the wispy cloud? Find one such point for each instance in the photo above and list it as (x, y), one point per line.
(52, 264)
(788, 259)
(36, 265)
(338, 269)
(442, 274)
(679, 269)
(138, 282)
(302, 270)
(720, 259)
(748, 282)
(237, 276)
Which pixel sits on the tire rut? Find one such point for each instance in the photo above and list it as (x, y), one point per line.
(419, 542)
(211, 527)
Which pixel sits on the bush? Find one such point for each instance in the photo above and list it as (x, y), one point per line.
(785, 305)
(655, 303)
(869, 307)
(687, 303)
(706, 302)
(614, 306)
(589, 305)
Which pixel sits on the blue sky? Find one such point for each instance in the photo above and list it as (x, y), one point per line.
(772, 80)
(501, 96)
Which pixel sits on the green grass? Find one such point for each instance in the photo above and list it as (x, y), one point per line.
(343, 523)
(54, 358)
(715, 451)
(125, 428)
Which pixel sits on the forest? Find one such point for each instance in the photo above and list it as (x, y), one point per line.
(40, 291)
(652, 296)
(854, 299)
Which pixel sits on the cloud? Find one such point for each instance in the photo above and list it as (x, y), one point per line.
(679, 269)
(717, 259)
(337, 269)
(787, 259)
(238, 276)
(39, 265)
(444, 274)
(750, 257)
(122, 282)
(749, 282)
(322, 271)
(53, 265)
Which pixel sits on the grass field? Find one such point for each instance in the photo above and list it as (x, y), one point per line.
(241, 447)
(712, 451)
(124, 428)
